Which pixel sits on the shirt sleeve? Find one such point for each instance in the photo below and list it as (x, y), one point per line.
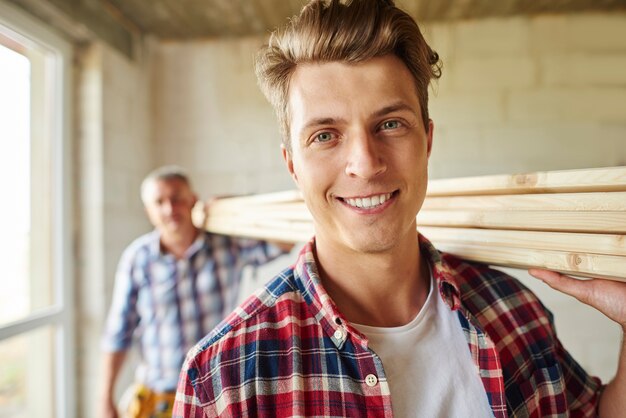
(582, 390)
(187, 403)
(123, 318)
(256, 253)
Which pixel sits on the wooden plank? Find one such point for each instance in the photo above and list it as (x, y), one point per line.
(538, 240)
(291, 211)
(566, 181)
(566, 221)
(261, 232)
(601, 201)
(578, 264)
(225, 224)
(286, 196)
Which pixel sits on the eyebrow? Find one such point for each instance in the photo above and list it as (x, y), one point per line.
(381, 112)
(320, 122)
(394, 108)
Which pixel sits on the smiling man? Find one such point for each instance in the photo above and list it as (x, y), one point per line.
(372, 320)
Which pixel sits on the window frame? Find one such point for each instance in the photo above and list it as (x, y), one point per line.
(31, 32)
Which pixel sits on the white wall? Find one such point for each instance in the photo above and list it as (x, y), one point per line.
(114, 151)
(529, 94)
(211, 118)
(517, 94)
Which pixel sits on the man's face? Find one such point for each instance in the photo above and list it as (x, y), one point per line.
(359, 151)
(168, 204)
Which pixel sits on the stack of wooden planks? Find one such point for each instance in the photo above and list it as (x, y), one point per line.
(572, 221)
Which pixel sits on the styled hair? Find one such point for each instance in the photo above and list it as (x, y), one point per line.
(351, 31)
(165, 173)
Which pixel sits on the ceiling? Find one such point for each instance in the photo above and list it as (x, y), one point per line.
(187, 19)
(120, 23)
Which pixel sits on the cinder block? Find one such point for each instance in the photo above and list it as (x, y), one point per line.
(489, 37)
(583, 69)
(566, 105)
(587, 32)
(492, 74)
(526, 147)
(474, 109)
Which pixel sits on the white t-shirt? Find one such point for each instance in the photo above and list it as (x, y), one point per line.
(428, 364)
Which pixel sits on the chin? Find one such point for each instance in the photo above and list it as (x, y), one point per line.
(373, 244)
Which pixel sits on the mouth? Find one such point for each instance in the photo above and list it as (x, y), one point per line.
(369, 202)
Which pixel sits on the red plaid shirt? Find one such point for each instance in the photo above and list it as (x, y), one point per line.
(288, 351)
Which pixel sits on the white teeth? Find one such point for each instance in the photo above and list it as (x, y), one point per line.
(368, 202)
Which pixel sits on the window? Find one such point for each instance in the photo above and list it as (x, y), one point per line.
(36, 335)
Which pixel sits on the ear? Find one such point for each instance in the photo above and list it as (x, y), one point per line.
(429, 136)
(287, 157)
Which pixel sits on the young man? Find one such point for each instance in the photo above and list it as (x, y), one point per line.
(172, 286)
(372, 320)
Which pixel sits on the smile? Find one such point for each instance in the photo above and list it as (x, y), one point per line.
(368, 202)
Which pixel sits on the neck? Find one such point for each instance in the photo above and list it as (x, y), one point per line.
(381, 289)
(177, 243)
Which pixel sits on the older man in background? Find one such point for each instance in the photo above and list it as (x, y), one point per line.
(173, 285)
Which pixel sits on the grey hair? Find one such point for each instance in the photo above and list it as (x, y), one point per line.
(165, 173)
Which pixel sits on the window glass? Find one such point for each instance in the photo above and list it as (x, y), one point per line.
(27, 374)
(25, 217)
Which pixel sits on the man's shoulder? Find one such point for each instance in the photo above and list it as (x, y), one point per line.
(476, 278)
(141, 245)
(278, 301)
(491, 294)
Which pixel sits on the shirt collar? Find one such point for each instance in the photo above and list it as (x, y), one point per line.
(328, 315)
(155, 245)
(444, 274)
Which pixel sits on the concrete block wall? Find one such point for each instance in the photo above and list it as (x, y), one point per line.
(211, 118)
(518, 94)
(114, 151)
(528, 94)
(532, 94)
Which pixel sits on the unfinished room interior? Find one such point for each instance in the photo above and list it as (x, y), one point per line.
(529, 138)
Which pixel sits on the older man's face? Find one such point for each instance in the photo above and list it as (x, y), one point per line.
(168, 204)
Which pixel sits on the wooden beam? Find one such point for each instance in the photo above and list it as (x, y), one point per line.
(540, 220)
(566, 181)
(600, 201)
(569, 221)
(577, 264)
(539, 240)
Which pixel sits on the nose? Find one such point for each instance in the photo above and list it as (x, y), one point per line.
(364, 159)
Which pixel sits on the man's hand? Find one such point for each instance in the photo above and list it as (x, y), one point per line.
(607, 296)
(109, 410)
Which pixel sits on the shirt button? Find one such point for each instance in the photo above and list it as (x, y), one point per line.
(338, 334)
(371, 380)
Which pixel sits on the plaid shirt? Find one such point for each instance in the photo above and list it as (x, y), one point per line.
(171, 304)
(288, 351)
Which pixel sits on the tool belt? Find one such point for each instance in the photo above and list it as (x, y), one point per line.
(147, 403)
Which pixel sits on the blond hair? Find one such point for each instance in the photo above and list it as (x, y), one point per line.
(351, 31)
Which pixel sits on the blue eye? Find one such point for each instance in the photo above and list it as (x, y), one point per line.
(324, 137)
(391, 124)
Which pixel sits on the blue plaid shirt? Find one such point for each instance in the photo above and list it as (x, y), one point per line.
(171, 304)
